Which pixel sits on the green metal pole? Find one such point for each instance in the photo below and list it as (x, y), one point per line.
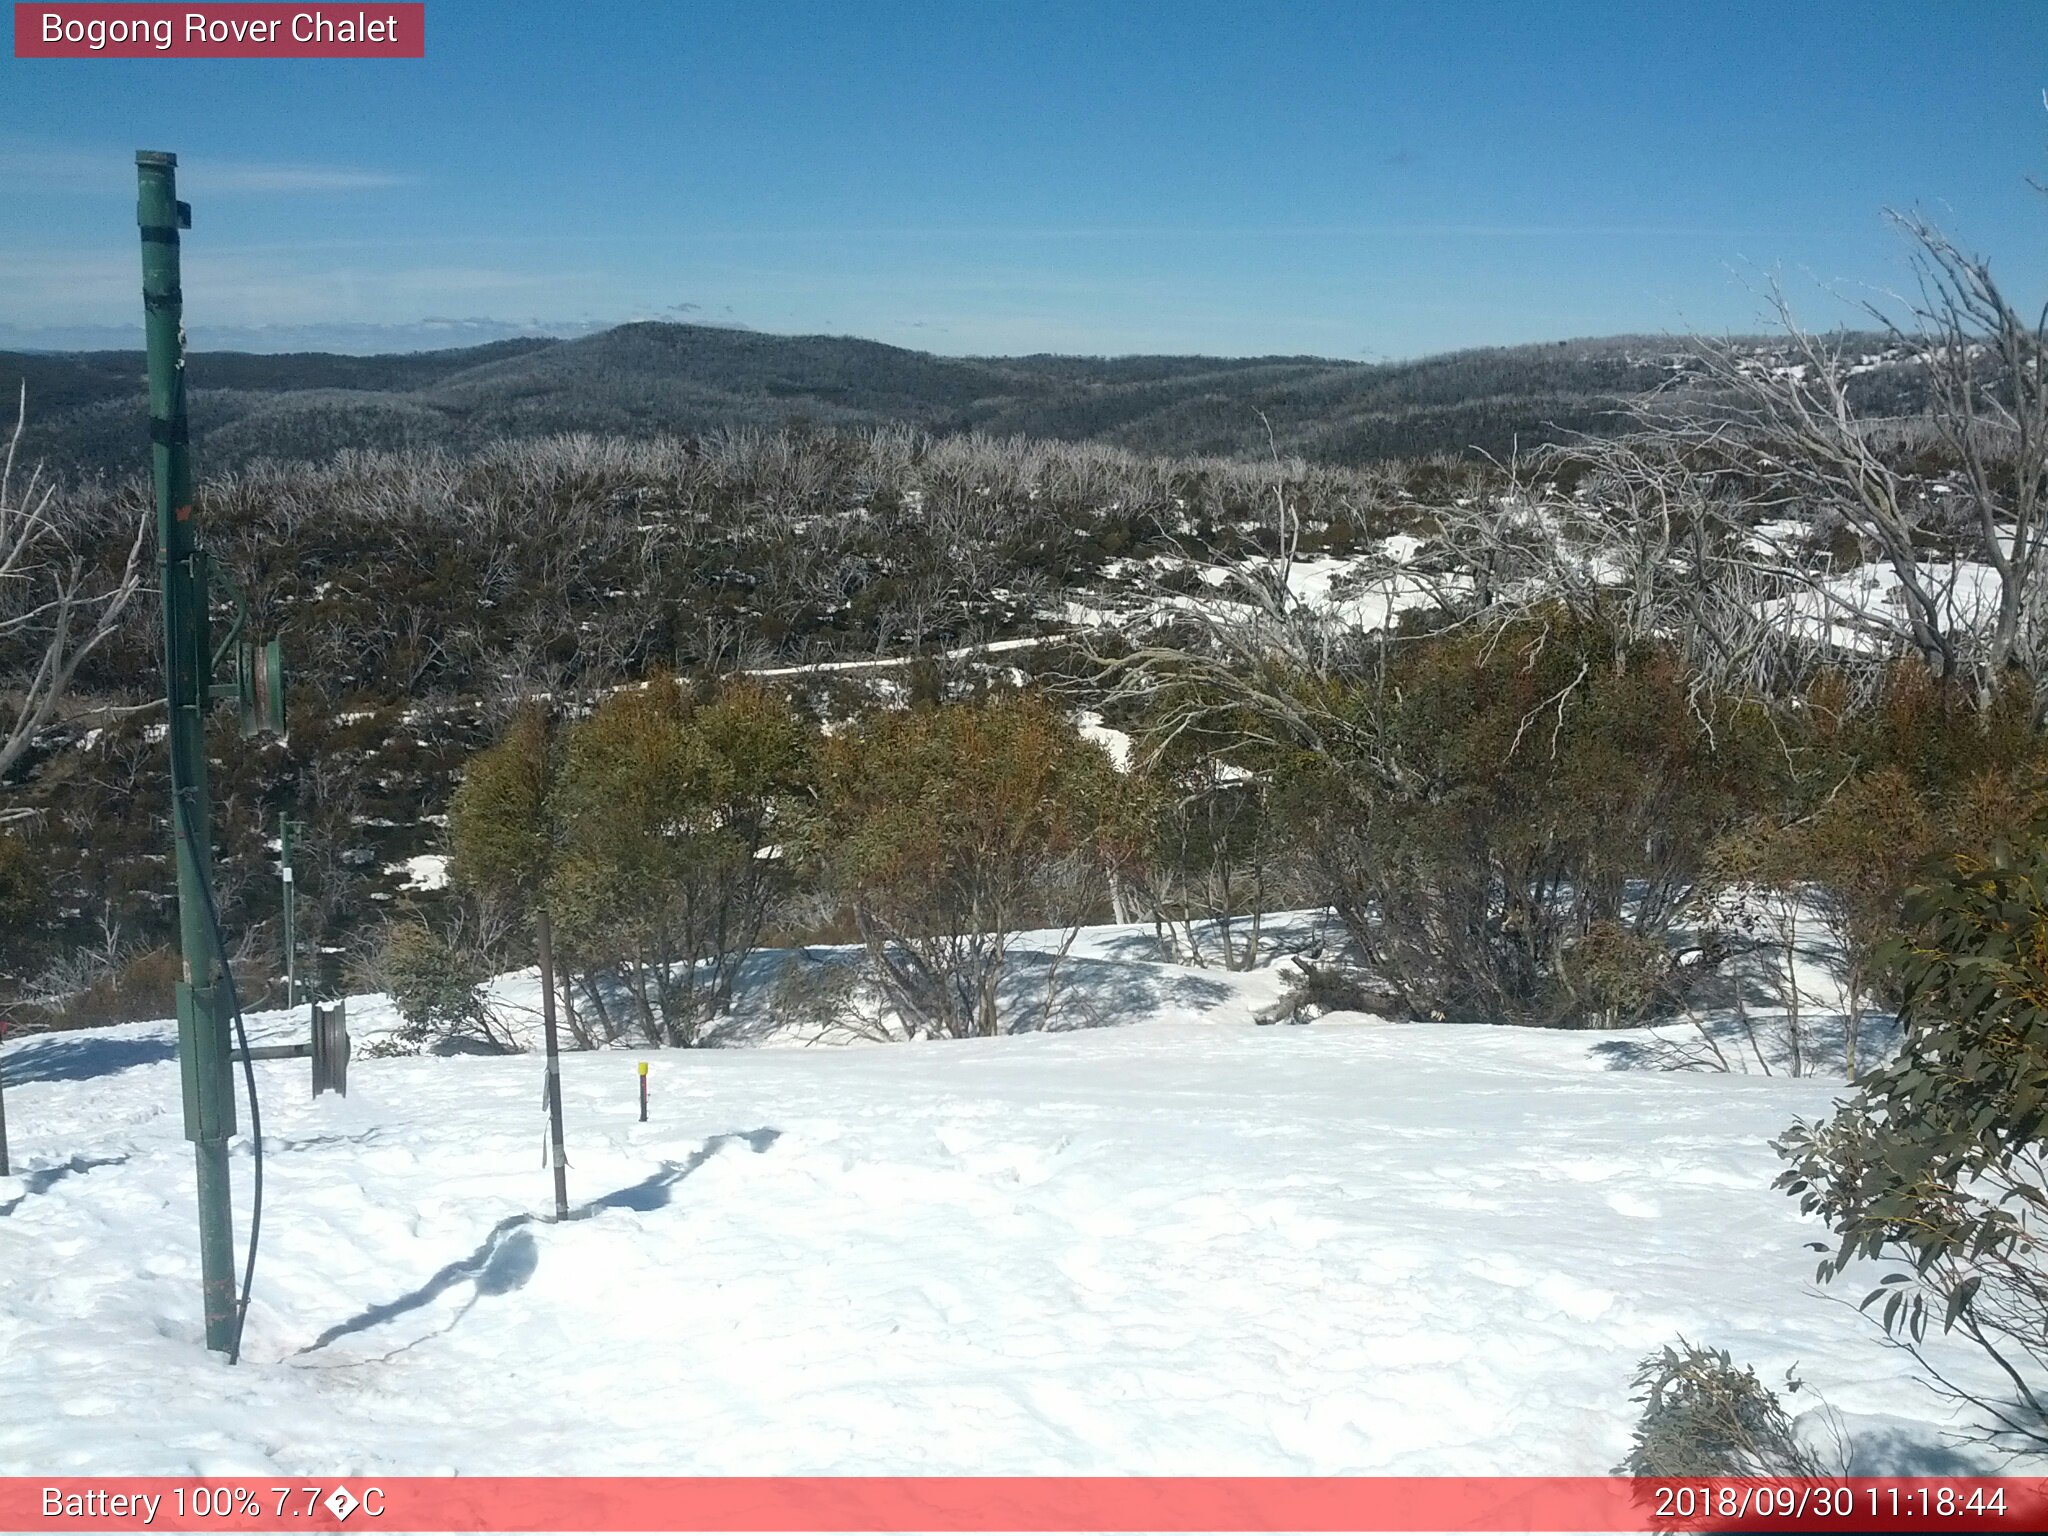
(203, 1046)
(291, 948)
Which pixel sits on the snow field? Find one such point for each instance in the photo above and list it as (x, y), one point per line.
(1190, 1245)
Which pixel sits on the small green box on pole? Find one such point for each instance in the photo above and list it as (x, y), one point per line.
(209, 1104)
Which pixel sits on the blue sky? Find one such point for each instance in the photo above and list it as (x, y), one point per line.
(1348, 179)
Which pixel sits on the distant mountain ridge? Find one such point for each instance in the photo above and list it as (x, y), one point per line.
(86, 409)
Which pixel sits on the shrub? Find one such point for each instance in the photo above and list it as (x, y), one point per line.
(20, 892)
(947, 830)
(1616, 972)
(1705, 1417)
(1489, 800)
(1314, 990)
(815, 996)
(133, 986)
(1922, 771)
(437, 987)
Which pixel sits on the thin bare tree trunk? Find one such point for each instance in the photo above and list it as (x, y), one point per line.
(545, 933)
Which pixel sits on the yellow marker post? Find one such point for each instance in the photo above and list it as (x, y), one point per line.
(643, 1093)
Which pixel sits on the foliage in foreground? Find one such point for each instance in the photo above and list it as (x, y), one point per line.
(1703, 1416)
(1936, 1163)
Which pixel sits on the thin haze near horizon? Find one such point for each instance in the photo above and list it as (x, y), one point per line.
(1345, 180)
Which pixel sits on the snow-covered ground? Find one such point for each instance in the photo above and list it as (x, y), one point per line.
(1186, 1245)
(1861, 609)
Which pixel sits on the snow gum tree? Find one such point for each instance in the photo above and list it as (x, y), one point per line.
(1800, 438)
(646, 831)
(500, 823)
(669, 866)
(1936, 1163)
(946, 831)
(503, 831)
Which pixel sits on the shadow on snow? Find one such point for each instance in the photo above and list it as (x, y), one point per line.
(39, 1179)
(1768, 1045)
(508, 1256)
(59, 1059)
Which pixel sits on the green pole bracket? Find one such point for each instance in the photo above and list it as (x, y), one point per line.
(209, 1098)
(233, 588)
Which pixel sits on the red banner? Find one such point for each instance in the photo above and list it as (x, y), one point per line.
(1063, 1504)
(239, 31)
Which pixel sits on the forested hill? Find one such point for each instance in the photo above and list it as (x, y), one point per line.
(86, 409)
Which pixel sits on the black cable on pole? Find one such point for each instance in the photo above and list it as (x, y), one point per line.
(227, 971)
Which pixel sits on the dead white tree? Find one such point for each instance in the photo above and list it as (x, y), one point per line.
(1232, 654)
(1969, 588)
(56, 607)
(1643, 541)
(1987, 369)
